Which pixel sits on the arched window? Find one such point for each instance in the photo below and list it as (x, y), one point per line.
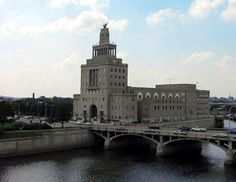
(155, 95)
(148, 95)
(177, 96)
(170, 96)
(163, 95)
(140, 96)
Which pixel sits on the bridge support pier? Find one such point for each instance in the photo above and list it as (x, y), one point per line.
(181, 147)
(160, 152)
(230, 157)
(107, 144)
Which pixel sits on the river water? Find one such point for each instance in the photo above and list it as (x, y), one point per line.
(133, 165)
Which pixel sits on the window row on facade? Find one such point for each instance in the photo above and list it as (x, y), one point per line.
(117, 99)
(156, 95)
(117, 70)
(93, 99)
(167, 107)
(117, 84)
(118, 107)
(117, 76)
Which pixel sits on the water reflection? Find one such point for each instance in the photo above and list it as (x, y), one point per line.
(116, 165)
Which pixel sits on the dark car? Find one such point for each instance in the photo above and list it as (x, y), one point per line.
(154, 126)
(232, 131)
(184, 128)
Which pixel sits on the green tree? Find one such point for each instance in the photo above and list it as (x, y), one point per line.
(5, 110)
(63, 112)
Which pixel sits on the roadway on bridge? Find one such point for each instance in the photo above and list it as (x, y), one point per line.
(208, 135)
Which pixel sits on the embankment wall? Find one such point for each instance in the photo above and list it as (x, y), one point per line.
(51, 140)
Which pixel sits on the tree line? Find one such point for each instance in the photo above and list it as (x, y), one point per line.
(55, 109)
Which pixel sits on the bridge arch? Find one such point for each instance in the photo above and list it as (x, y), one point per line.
(100, 135)
(136, 135)
(191, 139)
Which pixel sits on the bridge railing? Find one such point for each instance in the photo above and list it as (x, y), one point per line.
(163, 132)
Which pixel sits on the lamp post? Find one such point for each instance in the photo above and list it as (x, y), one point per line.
(45, 110)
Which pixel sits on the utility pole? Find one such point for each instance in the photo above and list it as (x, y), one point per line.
(45, 110)
(19, 109)
(38, 109)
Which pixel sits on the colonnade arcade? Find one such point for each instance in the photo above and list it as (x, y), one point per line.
(104, 51)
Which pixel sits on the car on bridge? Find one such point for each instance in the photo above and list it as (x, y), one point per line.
(154, 126)
(184, 128)
(220, 135)
(88, 123)
(179, 132)
(232, 131)
(197, 129)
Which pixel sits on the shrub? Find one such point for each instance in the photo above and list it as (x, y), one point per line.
(19, 126)
(36, 126)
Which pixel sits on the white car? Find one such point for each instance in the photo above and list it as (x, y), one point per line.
(179, 132)
(197, 129)
(220, 135)
(87, 123)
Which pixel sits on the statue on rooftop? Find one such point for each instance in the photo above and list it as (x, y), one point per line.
(105, 25)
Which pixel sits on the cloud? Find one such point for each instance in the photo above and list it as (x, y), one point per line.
(7, 27)
(58, 3)
(230, 12)
(225, 61)
(118, 24)
(85, 22)
(202, 8)
(43, 76)
(92, 4)
(72, 62)
(160, 16)
(212, 75)
(95, 4)
(199, 57)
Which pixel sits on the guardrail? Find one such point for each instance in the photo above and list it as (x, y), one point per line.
(163, 132)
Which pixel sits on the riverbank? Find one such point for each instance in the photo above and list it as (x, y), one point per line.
(50, 140)
(40, 141)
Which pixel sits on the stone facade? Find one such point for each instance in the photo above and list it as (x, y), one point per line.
(106, 96)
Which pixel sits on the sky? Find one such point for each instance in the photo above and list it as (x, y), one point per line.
(44, 42)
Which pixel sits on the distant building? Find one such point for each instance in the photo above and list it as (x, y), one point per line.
(106, 96)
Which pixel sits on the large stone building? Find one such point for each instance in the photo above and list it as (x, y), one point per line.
(106, 96)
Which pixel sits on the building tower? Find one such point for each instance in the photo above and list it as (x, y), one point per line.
(102, 77)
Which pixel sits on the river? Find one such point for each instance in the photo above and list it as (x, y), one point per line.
(133, 165)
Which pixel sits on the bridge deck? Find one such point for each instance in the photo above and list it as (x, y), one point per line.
(209, 135)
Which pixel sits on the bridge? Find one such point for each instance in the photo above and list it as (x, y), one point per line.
(163, 138)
